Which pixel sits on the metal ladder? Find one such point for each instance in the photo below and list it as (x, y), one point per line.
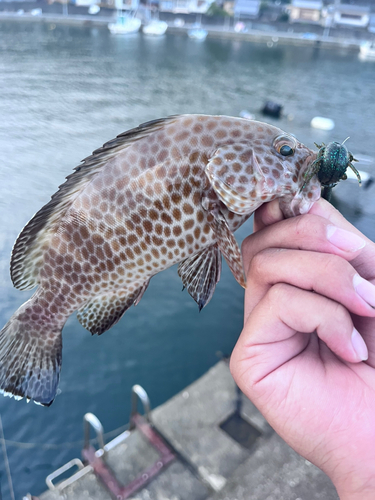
(95, 459)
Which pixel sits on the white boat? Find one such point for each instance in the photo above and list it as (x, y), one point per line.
(155, 28)
(125, 25)
(197, 33)
(367, 50)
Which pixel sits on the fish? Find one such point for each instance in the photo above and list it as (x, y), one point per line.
(169, 191)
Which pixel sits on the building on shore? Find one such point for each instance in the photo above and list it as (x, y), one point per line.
(351, 15)
(246, 9)
(307, 11)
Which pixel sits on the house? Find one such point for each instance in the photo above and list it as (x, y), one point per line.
(351, 15)
(185, 6)
(308, 11)
(246, 9)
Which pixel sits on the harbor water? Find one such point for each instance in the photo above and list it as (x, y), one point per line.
(67, 90)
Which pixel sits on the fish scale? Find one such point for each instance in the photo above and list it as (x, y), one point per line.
(170, 191)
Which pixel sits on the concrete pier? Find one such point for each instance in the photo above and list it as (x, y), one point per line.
(223, 447)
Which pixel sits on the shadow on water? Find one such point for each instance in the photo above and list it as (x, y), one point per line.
(65, 91)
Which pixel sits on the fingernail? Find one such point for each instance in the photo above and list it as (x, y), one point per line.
(365, 289)
(359, 345)
(345, 240)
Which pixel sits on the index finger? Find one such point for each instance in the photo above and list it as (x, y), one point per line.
(305, 232)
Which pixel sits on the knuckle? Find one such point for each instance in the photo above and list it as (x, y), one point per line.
(258, 264)
(333, 265)
(309, 226)
(334, 312)
(278, 293)
(302, 225)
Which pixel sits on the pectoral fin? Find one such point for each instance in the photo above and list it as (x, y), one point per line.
(102, 312)
(200, 273)
(227, 244)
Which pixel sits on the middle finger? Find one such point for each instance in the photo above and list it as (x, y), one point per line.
(326, 274)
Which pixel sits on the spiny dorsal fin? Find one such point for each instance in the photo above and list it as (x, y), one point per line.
(28, 249)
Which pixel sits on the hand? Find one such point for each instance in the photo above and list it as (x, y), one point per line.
(306, 355)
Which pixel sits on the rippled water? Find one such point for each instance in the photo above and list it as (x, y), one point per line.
(64, 92)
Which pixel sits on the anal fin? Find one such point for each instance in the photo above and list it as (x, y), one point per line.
(227, 244)
(102, 312)
(200, 273)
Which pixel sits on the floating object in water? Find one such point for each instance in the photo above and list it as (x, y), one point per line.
(273, 109)
(322, 123)
(169, 191)
(247, 115)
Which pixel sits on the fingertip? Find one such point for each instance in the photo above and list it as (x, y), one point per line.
(359, 346)
(267, 214)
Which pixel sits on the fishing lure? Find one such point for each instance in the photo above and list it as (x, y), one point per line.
(330, 166)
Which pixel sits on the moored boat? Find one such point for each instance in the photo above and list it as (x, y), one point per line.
(197, 33)
(155, 28)
(367, 50)
(125, 25)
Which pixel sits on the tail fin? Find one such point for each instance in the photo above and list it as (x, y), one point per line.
(30, 355)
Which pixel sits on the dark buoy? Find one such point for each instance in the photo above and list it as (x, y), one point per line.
(273, 109)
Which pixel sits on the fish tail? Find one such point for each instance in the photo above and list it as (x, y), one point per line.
(30, 354)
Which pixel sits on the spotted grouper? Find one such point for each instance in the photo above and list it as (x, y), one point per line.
(169, 191)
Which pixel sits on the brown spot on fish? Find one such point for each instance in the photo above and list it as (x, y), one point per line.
(161, 172)
(177, 230)
(132, 239)
(166, 218)
(207, 141)
(220, 134)
(176, 198)
(188, 209)
(188, 224)
(153, 215)
(176, 213)
(147, 224)
(236, 133)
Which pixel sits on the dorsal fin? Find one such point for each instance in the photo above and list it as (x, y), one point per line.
(28, 249)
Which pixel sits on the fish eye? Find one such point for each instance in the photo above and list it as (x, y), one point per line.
(285, 145)
(286, 150)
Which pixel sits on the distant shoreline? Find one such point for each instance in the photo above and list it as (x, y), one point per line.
(269, 38)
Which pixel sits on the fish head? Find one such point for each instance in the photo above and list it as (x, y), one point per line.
(272, 165)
